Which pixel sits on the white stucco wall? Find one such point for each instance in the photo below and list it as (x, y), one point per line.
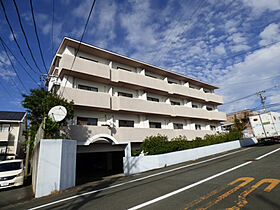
(56, 166)
(133, 165)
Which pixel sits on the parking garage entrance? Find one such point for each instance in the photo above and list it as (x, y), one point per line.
(98, 160)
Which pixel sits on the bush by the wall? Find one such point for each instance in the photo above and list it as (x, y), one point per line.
(159, 144)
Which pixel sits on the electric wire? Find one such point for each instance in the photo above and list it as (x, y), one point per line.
(25, 37)
(52, 28)
(244, 97)
(14, 37)
(15, 57)
(13, 67)
(77, 51)
(37, 36)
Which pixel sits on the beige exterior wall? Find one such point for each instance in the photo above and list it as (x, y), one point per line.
(111, 74)
(11, 142)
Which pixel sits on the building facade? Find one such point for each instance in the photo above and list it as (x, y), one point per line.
(244, 114)
(12, 127)
(129, 100)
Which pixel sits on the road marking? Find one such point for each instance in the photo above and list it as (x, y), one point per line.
(242, 197)
(135, 180)
(246, 180)
(197, 183)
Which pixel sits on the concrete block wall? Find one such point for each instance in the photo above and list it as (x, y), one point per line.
(133, 165)
(56, 166)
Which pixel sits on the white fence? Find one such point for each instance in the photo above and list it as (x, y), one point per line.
(133, 165)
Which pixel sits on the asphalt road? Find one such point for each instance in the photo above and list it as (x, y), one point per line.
(248, 179)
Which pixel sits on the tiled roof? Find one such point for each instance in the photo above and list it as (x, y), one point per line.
(14, 116)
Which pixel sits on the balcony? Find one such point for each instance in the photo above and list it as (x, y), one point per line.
(184, 111)
(211, 97)
(186, 91)
(139, 80)
(87, 98)
(4, 136)
(219, 116)
(85, 66)
(82, 133)
(140, 106)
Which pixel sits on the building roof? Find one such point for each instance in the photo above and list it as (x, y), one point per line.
(123, 59)
(12, 116)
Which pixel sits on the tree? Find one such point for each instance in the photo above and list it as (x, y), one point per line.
(38, 103)
(241, 124)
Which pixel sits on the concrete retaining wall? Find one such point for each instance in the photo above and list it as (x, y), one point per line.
(56, 166)
(133, 165)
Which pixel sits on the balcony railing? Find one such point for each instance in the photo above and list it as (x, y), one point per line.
(87, 98)
(123, 134)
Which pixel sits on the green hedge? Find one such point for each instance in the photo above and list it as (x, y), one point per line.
(159, 144)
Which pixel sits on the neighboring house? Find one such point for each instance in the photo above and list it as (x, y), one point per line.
(120, 97)
(12, 126)
(228, 124)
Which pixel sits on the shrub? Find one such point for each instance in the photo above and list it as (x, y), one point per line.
(159, 144)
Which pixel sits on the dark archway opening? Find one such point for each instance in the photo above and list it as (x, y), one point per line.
(93, 166)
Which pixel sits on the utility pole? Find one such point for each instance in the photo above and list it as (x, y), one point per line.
(262, 99)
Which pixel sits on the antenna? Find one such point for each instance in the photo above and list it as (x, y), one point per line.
(57, 113)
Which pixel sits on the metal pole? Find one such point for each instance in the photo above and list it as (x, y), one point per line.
(27, 155)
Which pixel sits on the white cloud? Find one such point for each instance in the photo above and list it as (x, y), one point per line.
(270, 34)
(220, 49)
(6, 74)
(260, 6)
(250, 76)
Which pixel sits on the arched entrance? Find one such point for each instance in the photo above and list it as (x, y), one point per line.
(100, 155)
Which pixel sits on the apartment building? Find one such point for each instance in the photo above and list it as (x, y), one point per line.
(127, 99)
(12, 126)
(241, 115)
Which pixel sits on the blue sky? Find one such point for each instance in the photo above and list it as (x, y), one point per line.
(231, 44)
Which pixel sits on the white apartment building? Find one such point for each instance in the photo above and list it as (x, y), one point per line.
(129, 100)
(12, 126)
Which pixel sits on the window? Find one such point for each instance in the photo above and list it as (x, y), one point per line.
(155, 124)
(194, 106)
(152, 76)
(10, 166)
(84, 87)
(206, 91)
(213, 127)
(121, 68)
(209, 108)
(152, 99)
(197, 127)
(171, 82)
(4, 127)
(129, 95)
(175, 103)
(178, 125)
(126, 123)
(90, 59)
(86, 121)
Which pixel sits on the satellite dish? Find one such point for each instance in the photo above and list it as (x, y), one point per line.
(57, 113)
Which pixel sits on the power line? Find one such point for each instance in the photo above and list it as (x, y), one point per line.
(25, 37)
(13, 65)
(14, 37)
(18, 60)
(244, 97)
(52, 27)
(77, 51)
(37, 36)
